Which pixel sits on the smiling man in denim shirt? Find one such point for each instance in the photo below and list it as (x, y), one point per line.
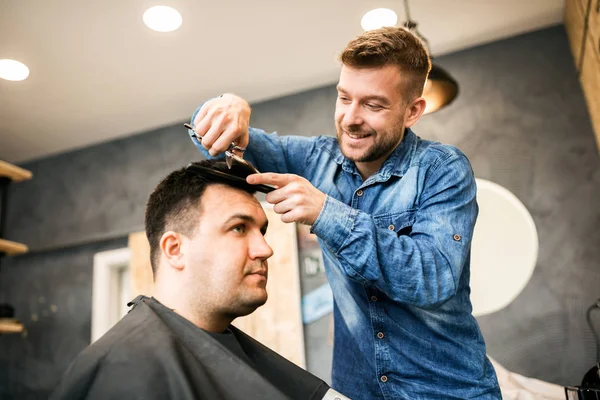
(394, 215)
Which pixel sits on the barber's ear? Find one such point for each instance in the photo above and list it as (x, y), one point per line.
(414, 111)
(171, 245)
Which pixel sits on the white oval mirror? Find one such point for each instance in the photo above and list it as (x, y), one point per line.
(504, 249)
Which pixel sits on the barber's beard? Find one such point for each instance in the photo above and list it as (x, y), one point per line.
(383, 142)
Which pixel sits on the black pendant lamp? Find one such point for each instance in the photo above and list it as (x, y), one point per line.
(440, 88)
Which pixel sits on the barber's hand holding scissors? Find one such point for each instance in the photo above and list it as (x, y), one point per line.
(224, 120)
(295, 199)
(221, 121)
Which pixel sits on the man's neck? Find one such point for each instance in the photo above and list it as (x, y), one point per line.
(366, 169)
(202, 317)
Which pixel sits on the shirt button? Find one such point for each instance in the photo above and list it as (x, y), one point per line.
(380, 335)
(456, 237)
(373, 298)
(383, 378)
(391, 227)
(359, 193)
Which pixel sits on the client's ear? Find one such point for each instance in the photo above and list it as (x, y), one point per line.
(171, 246)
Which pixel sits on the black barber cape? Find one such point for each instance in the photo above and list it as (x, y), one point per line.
(154, 353)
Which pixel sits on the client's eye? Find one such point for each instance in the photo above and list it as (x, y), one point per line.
(241, 228)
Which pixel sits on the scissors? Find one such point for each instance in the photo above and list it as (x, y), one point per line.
(229, 155)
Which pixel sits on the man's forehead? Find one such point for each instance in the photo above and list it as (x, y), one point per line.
(227, 201)
(383, 74)
(381, 83)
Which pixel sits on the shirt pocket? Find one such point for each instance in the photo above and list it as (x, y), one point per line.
(399, 222)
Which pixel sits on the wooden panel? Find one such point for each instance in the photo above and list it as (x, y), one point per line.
(13, 172)
(590, 81)
(583, 5)
(140, 270)
(12, 248)
(594, 23)
(574, 25)
(277, 324)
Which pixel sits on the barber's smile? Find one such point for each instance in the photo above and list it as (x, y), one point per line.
(357, 137)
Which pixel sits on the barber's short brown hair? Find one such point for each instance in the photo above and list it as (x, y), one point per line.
(391, 46)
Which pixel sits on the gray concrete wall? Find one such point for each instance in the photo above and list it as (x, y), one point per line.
(520, 118)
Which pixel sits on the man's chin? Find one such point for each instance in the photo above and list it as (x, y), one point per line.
(248, 306)
(351, 153)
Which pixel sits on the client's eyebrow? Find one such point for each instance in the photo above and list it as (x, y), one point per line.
(250, 219)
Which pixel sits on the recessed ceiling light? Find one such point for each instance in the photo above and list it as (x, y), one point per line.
(12, 70)
(378, 18)
(162, 18)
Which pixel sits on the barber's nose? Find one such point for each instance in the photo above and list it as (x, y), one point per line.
(260, 249)
(352, 116)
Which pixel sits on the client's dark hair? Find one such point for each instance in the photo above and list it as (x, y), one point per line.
(175, 202)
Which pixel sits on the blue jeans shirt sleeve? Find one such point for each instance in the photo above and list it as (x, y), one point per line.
(422, 268)
(270, 152)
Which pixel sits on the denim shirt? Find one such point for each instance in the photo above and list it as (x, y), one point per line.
(396, 248)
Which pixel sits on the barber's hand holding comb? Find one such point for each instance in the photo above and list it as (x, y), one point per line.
(295, 198)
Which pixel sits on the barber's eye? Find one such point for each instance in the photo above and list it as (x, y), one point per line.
(374, 107)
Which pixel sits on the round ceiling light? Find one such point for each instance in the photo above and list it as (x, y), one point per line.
(12, 70)
(162, 18)
(378, 18)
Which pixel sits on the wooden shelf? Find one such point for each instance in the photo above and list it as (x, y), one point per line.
(12, 248)
(16, 174)
(582, 23)
(9, 325)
